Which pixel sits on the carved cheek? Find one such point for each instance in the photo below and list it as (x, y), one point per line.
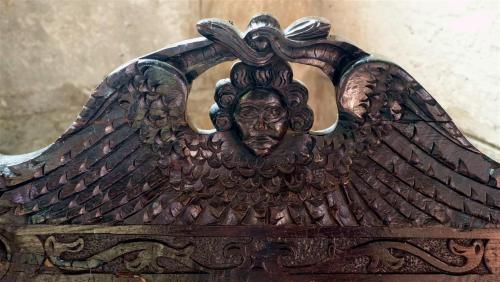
(281, 127)
(244, 127)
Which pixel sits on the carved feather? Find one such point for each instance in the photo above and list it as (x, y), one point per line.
(394, 158)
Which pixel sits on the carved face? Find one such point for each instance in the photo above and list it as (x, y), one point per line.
(262, 120)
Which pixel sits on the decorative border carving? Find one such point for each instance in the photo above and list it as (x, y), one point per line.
(225, 251)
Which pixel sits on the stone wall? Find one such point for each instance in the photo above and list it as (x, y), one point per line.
(53, 52)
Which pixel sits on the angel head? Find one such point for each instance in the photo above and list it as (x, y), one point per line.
(260, 105)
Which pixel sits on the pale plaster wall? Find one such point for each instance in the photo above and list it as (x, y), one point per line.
(53, 52)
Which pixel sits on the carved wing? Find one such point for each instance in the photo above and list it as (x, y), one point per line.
(104, 168)
(408, 163)
(394, 157)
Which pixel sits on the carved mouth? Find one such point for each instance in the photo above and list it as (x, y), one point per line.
(261, 145)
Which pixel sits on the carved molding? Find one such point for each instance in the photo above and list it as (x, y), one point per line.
(223, 251)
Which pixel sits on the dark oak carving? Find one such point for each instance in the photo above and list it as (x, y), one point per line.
(392, 188)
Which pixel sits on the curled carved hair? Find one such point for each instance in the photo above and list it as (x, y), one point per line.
(275, 77)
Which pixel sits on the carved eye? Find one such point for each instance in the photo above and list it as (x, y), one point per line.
(248, 112)
(274, 113)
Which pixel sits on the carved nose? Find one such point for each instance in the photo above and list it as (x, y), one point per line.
(261, 124)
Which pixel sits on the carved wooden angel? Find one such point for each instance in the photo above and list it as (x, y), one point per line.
(394, 158)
